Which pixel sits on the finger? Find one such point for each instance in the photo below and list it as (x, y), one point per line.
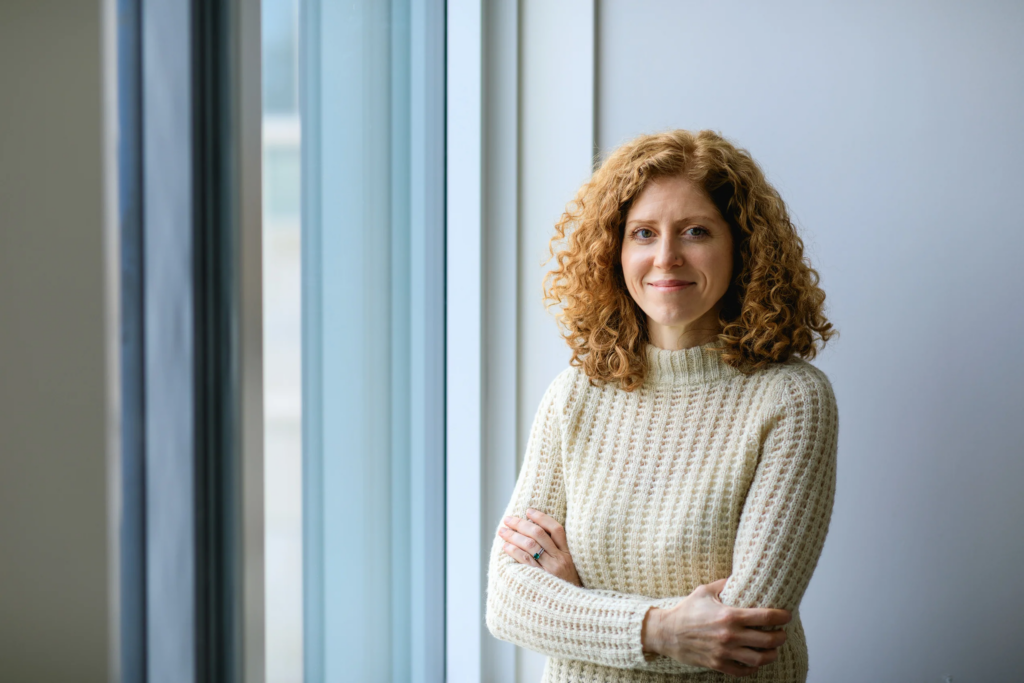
(763, 616)
(712, 590)
(518, 540)
(753, 658)
(555, 530)
(527, 528)
(529, 545)
(520, 556)
(764, 640)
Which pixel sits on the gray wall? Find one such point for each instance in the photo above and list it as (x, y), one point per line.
(55, 605)
(893, 131)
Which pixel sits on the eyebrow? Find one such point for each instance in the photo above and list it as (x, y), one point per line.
(688, 219)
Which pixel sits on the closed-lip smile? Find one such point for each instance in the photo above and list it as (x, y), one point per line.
(669, 283)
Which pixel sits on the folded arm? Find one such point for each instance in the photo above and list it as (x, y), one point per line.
(788, 507)
(536, 610)
(780, 537)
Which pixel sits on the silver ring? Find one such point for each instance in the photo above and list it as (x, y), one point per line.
(537, 555)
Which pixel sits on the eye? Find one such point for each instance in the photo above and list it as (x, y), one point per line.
(637, 236)
(703, 231)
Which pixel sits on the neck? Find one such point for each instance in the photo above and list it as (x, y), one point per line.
(686, 336)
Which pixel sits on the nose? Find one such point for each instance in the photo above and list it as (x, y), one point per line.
(670, 254)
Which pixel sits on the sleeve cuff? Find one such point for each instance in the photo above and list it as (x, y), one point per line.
(637, 656)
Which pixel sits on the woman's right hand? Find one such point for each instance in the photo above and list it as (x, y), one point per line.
(703, 631)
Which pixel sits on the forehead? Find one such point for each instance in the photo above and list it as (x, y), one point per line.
(672, 197)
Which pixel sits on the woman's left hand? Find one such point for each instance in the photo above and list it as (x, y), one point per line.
(524, 538)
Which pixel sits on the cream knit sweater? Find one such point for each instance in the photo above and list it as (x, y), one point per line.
(700, 474)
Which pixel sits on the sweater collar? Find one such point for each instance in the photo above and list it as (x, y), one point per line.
(695, 365)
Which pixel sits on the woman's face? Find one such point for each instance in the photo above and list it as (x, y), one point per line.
(677, 261)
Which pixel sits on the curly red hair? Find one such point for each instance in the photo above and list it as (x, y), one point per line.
(773, 308)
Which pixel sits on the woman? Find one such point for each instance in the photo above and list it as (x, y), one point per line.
(680, 473)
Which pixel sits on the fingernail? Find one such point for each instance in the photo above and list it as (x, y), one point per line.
(510, 520)
(531, 512)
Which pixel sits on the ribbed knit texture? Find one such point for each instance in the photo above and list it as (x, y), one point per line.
(702, 473)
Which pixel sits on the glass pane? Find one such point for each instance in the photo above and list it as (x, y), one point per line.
(282, 342)
(353, 343)
(281, 184)
(280, 57)
(373, 340)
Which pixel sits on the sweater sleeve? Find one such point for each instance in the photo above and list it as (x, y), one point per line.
(536, 610)
(788, 507)
(657, 663)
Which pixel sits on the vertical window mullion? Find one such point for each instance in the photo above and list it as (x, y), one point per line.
(193, 604)
(133, 435)
(169, 341)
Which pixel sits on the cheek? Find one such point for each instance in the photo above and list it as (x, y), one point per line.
(632, 270)
(718, 268)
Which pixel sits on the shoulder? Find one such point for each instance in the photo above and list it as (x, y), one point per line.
(563, 382)
(804, 411)
(568, 392)
(799, 385)
(569, 387)
(561, 388)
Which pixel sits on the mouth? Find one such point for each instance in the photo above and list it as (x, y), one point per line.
(670, 285)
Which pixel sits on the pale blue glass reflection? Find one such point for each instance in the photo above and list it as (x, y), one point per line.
(282, 343)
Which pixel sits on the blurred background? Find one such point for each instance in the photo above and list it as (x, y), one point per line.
(414, 159)
(282, 339)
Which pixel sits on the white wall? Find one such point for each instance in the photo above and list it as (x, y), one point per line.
(892, 130)
(56, 606)
(556, 147)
